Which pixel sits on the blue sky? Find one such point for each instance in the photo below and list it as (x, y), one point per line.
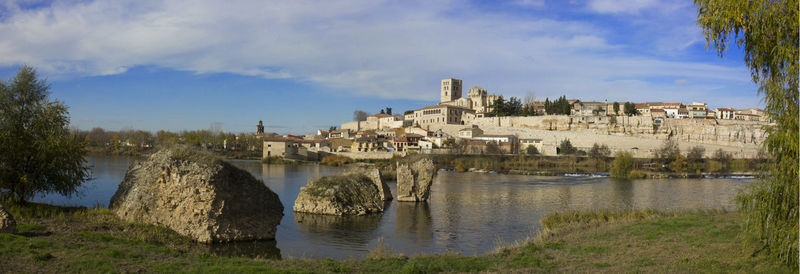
(303, 65)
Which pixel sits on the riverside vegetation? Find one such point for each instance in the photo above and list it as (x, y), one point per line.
(62, 239)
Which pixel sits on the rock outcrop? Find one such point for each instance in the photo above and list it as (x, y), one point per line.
(375, 175)
(199, 196)
(414, 180)
(353, 193)
(7, 223)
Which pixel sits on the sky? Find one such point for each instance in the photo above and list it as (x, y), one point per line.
(306, 65)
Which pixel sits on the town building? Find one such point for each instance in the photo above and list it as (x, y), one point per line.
(725, 113)
(442, 114)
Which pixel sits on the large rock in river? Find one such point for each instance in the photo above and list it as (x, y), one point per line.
(7, 223)
(353, 193)
(414, 180)
(199, 196)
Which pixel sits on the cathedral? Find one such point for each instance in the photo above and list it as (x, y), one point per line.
(477, 98)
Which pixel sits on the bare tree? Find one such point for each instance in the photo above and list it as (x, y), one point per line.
(359, 115)
(530, 97)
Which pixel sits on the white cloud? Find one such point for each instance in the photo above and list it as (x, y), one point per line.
(364, 47)
(620, 6)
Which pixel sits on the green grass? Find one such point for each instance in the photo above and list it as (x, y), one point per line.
(93, 240)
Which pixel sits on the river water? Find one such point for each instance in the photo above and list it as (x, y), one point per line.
(468, 213)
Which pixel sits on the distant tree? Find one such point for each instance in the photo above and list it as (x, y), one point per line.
(383, 111)
(622, 166)
(558, 107)
(722, 156)
(630, 109)
(407, 112)
(389, 110)
(37, 152)
(498, 107)
(513, 107)
(616, 108)
(566, 147)
(531, 150)
(359, 115)
(493, 148)
(696, 154)
(332, 128)
(669, 149)
(599, 151)
(678, 164)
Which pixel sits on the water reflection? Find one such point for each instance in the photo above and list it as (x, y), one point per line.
(414, 220)
(251, 249)
(467, 212)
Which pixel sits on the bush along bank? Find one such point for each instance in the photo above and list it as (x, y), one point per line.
(676, 167)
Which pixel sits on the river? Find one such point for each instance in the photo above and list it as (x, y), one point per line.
(468, 213)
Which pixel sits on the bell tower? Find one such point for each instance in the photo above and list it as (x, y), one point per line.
(451, 89)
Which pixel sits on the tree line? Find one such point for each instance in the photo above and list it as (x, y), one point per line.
(131, 140)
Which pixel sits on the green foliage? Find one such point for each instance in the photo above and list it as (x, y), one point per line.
(696, 154)
(599, 151)
(678, 164)
(501, 108)
(566, 148)
(531, 150)
(622, 165)
(558, 107)
(407, 112)
(37, 152)
(630, 109)
(616, 108)
(768, 32)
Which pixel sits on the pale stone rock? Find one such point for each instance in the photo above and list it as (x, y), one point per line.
(374, 174)
(414, 180)
(354, 193)
(199, 196)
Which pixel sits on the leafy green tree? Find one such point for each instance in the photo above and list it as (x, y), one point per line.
(616, 108)
(37, 152)
(566, 148)
(668, 151)
(622, 165)
(767, 30)
(630, 109)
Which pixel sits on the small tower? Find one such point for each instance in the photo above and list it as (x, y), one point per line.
(451, 89)
(260, 128)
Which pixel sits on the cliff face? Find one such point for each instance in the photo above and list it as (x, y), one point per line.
(719, 132)
(198, 196)
(414, 181)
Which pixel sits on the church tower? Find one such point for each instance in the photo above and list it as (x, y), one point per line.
(451, 89)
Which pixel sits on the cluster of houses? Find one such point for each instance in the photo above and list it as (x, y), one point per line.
(410, 132)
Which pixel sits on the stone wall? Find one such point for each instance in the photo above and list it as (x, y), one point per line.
(366, 155)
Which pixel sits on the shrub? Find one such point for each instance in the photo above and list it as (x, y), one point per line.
(336, 160)
(622, 166)
(599, 151)
(696, 154)
(531, 150)
(678, 164)
(722, 156)
(566, 147)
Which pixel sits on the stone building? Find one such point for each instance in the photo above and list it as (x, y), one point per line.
(442, 114)
(451, 89)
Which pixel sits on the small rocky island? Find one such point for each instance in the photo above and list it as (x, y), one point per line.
(356, 192)
(414, 181)
(197, 195)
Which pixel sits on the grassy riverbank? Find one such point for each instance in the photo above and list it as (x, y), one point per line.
(57, 239)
